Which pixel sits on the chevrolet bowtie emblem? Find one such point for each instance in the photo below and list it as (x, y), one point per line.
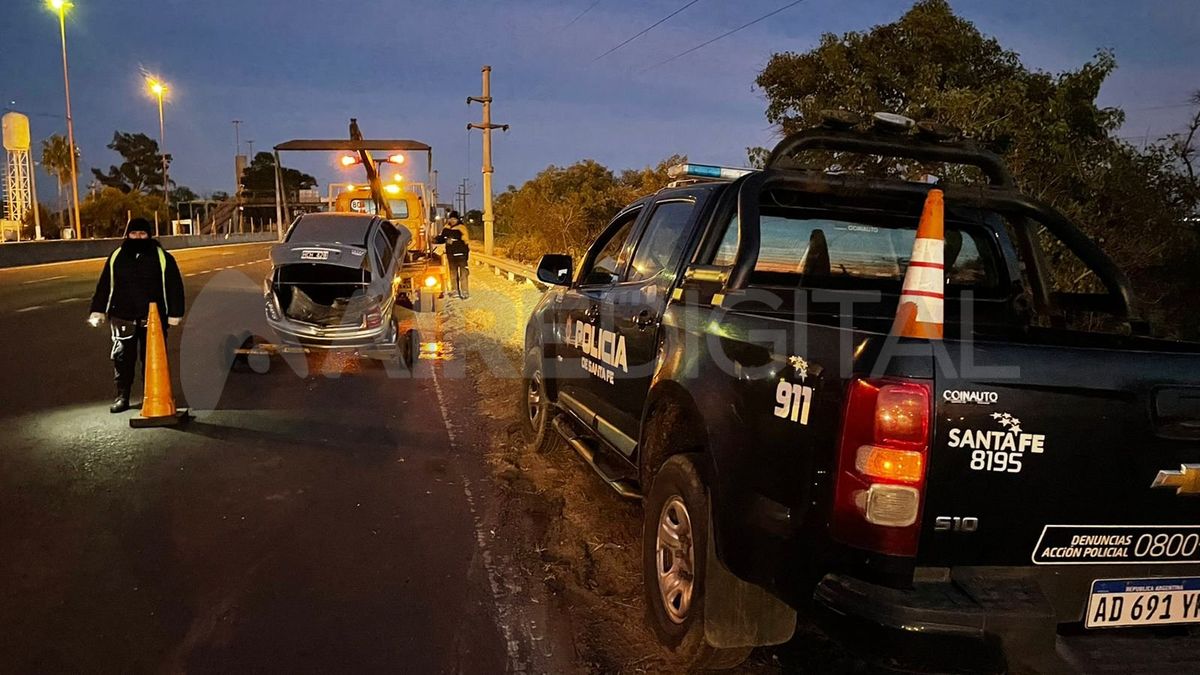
(1186, 480)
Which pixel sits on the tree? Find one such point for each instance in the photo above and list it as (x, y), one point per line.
(182, 194)
(1060, 145)
(260, 176)
(142, 167)
(56, 159)
(108, 210)
(562, 209)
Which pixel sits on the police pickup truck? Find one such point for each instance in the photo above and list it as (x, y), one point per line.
(1017, 495)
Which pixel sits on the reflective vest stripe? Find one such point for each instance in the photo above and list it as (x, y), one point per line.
(162, 269)
(112, 278)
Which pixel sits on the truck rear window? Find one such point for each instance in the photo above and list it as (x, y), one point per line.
(820, 250)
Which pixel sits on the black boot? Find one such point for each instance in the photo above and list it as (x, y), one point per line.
(121, 404)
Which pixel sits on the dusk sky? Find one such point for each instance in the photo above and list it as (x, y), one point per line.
(300, 68)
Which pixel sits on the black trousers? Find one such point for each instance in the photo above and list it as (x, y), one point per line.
(459, 271)
(128, 347)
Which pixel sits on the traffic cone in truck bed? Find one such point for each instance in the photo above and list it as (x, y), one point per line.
(158, 404)
(922, 300)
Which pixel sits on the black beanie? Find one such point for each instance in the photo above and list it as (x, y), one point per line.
(453, 214)
(140, 225)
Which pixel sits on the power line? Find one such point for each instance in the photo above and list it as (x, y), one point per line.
(589, 8)
(646, 30)
(1164, 106)
(724, 35)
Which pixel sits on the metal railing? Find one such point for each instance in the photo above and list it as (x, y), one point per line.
(515, 271)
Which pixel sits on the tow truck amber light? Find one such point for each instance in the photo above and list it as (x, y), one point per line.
(882, 459)
(430, 281)
(349, 160)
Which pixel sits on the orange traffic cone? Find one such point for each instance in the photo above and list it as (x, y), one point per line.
(158, 403)
(922, 301)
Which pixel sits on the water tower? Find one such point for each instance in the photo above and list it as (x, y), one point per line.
(18, 172)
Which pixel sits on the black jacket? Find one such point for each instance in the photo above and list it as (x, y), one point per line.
(456, 245)
(140, 278)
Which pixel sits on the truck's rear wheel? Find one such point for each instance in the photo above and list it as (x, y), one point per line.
(534, 405)
(674, 550)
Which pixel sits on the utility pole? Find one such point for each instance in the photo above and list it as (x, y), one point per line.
(486, 125)
(460, 199)
(239, 167)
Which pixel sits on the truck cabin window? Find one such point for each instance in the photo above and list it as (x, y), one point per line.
(609, 261)
(367, 205)
(831, 249)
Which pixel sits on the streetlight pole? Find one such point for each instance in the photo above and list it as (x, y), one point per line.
(60, 7)
(159, 90)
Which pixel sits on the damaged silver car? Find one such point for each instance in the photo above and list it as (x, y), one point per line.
(333, 285)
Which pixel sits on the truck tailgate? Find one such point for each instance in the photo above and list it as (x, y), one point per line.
(1056, 466)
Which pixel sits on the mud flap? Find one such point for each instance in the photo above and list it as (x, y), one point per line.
(738, 613)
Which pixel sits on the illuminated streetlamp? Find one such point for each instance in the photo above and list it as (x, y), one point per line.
(158, 89)
(60, 7)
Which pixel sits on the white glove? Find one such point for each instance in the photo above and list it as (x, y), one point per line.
(174, 320)
(95, 319)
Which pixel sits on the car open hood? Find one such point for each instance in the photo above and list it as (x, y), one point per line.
(342, 255)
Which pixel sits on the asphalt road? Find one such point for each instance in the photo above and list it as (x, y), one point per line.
(327, 515)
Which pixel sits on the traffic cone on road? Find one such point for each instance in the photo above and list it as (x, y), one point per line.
(922, 300)
(158, 403)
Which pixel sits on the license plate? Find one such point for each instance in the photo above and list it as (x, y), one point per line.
(1115, 603)
(314, 255)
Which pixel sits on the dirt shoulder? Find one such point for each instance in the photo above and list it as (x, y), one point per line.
(562, 526)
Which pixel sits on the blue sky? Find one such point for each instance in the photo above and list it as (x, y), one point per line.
(299, 68)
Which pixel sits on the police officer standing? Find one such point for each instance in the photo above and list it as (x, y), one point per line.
(136, 274)
(458, 251)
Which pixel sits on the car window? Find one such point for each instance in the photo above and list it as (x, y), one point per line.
(607, 264)
(330, 229)
(661, 244)
(827, 248)
(383, 250)
(389, 230)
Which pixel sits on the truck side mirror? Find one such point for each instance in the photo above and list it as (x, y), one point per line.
(555, 269)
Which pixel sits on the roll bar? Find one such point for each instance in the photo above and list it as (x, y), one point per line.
(888, 145)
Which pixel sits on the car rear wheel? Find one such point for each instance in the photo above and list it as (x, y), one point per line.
(674, 555)
(534, 407)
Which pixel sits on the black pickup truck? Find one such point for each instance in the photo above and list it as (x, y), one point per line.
(1022, 495)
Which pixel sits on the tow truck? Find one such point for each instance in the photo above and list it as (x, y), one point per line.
(351, 278)
(421, 280)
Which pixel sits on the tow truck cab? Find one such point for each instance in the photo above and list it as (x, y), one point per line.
(1021, 485)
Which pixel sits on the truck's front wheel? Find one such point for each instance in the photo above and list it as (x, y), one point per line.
(674, 550)
(533, 405)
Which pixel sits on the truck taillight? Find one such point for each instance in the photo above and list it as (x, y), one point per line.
(372, 319)
(882, 459)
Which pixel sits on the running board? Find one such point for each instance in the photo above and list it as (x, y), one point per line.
(623, 487)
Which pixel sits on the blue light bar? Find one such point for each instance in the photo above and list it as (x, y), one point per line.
(706, 171)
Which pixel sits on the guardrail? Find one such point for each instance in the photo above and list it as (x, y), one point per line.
(504, 267)
(18, 254)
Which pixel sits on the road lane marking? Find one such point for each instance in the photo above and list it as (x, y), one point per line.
(505, 613)
(38, 281)
(29, 309)
(66, 300)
